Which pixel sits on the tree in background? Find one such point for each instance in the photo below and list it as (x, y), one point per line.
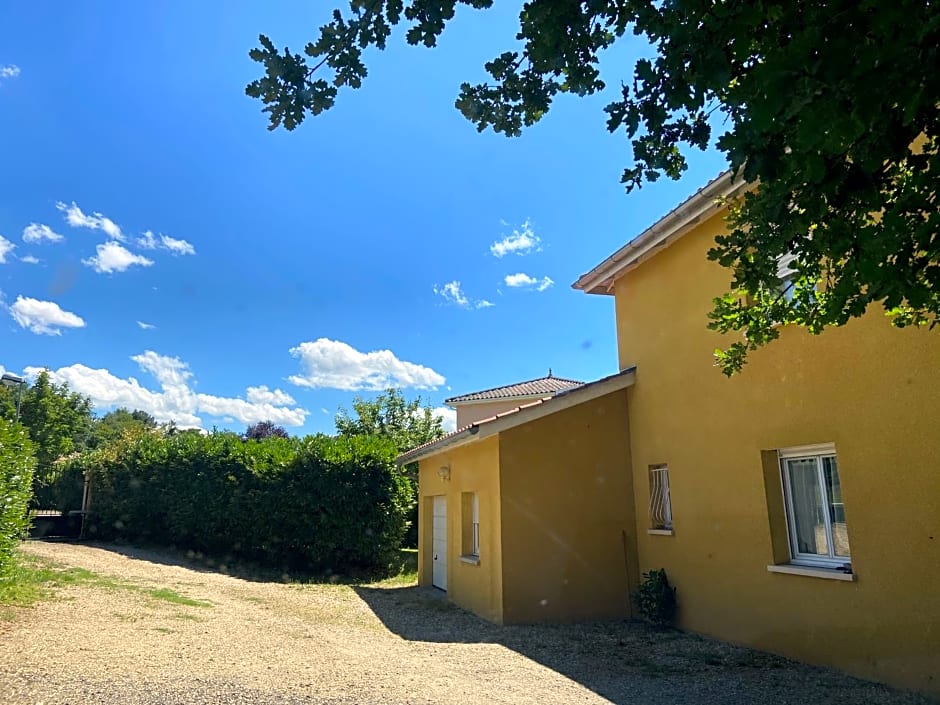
(832, 106)
(406, 423)
(113, 424)
(265, 429)
(59, 421)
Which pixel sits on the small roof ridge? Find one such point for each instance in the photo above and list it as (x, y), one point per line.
(540, 385)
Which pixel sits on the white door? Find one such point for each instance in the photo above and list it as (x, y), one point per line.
(439, 543)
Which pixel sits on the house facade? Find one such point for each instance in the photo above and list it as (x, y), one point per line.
(795, 506)
(523, 515)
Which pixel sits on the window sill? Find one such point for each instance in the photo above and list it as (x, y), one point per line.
(472, 560)
(661, 532)
(812, 572)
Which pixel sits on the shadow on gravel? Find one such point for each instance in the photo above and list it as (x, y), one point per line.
(234, 566)
(628, 663)
(193, 560)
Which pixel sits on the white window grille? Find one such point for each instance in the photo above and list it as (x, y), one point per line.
(815, 511)
(470, 527)
(787, 275)
(660, 502)
(475, 541)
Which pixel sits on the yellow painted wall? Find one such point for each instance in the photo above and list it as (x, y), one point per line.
(471, 413)
(871, 389)
(473, 468)
(568, 524)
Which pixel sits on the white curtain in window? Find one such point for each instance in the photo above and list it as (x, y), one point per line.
(810, 524)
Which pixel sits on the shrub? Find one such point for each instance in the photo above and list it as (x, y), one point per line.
(313, 504)
(17, 464)
(655, 598)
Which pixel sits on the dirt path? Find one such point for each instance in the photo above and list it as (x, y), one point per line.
(142, 629)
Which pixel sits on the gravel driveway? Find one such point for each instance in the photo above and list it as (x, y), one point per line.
(151, 630)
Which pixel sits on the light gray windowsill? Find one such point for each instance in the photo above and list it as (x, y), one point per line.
(661, 532)
(812, 572)
(472, 560)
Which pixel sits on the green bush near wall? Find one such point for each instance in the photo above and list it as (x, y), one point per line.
(17, 464)
(318, 503)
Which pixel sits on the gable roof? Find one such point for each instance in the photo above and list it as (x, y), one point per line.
(541, 387)
(522, 414)
(680, 220)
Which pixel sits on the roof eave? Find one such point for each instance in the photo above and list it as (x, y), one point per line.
(411, 456)
(508, 397)
(662, 233)
(530, 412)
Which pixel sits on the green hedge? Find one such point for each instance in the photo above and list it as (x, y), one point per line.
(17, 463)
(319, 503)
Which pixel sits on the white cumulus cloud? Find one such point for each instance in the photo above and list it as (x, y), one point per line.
(29, 259)
(9, 71)
(37, 232)
(176, 400)
(43, 317)
(177, 247)
(169, 371)
(145, 326)
(114, 257)
(250, 412)
(453, 293)
(333, 364)
(6, 247)
(263, 395)
(149, 241)
(96, 221)
(521, 280)
(448, 418)
(520, 242)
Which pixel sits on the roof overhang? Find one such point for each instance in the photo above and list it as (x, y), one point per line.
(524, 414)
(501, 400)
(694, 210)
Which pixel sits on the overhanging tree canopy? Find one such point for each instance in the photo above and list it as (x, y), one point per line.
(830, 106)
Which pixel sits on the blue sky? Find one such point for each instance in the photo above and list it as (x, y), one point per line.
(162, 250)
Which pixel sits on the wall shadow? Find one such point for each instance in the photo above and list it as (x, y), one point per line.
(626, 662)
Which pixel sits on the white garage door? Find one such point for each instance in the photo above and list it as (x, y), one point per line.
(439, 543)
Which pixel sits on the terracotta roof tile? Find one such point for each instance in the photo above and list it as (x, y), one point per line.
(546, 386)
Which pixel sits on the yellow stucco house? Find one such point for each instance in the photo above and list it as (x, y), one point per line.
(795, 507)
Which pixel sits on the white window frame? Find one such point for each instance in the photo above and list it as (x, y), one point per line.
(660, 498)
(817, 452)
(475, 527)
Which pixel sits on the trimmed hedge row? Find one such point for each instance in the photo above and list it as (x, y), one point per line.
(318, 503)
(17, 463)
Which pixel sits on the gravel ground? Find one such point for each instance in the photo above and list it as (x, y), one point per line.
(110, 641)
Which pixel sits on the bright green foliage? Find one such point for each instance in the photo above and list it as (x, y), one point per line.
(818, 102)
(112, 425)
(655, 598)
(16, 483)
(59, 422)
(406, 423)
(316, 503)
